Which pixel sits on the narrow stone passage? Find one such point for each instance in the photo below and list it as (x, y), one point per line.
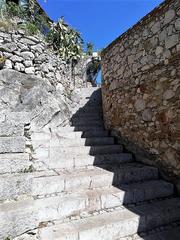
(87, 187)
(107, 195)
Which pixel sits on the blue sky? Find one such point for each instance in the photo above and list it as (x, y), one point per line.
(99, 21)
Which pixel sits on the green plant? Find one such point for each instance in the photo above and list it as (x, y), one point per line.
(66, 41)
(31, 28)
(7, 238)
(90, 47)
(30, 169)
(14, 10)
(2, 59)
(32, 21)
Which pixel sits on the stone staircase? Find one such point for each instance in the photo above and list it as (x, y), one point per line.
(86, 187)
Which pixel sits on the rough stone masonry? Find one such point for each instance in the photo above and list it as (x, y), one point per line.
(141, 87)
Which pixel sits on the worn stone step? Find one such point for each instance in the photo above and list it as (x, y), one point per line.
(104, 197)
(162, 212)
(92, 109)
(50, 182)
(86, 103)
(14, 162)
(91, 150)
(116, 224)
(70, 157)
(95, 133)
(13, 186)
(94, 123)
(172, 233)
(10, 129)
(12, 144)
(69, 135)
(58, 141)
(18, 217)
(82, 128)
(86, 120)
(81, 161)
(87, 116)
(97, 177)
(87, 133)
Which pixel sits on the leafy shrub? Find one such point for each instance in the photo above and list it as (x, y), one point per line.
(90, 47)
(65, 40)
(7, 238)
(31, 28)
(30, 169)
(2, 59)
(14, 10)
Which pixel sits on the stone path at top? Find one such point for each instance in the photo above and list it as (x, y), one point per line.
(92, 189)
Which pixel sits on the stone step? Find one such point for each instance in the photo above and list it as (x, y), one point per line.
(172, 233)
(70, 157)
(50, 182)
(88, 115)
(13, 186)
(58, 141)
(116, 224)
(103, 197)
(90, 103)
(82, 120)
(81, 161)
(97, 177)
(69, 135)
(94, 123)
(12, 144)
(19, 216)
(9, 129)
(14, 162)
(88, 109)
(82, 128)
(97, 132)
(93, 141)
(91, 150)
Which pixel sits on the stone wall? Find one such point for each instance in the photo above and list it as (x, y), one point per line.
(36, 80)
(15, 150)
(31, 55)
(141, 87)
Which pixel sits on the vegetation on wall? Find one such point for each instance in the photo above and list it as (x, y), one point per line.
(90, 47)
(22, 15)
(65, 40)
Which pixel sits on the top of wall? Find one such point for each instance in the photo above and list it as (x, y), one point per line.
(145, 20)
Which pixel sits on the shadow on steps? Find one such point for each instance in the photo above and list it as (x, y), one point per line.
(155, 209)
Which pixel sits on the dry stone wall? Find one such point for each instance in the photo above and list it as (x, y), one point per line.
(141, 87)
(15, 149)
(31, 55)
(36, 80)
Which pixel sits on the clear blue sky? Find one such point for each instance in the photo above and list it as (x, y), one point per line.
(99, 21)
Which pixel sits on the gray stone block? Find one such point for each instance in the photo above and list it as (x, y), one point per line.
(14, 162)
(12, 144)
(10, 129)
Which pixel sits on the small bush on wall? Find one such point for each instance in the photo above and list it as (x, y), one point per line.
(66, 41)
